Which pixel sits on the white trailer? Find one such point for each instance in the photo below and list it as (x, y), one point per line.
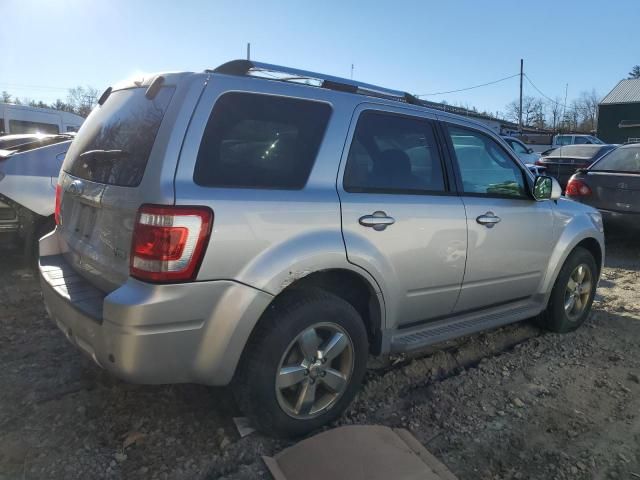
(25, 119)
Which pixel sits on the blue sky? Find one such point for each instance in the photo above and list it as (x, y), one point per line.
(417, 46)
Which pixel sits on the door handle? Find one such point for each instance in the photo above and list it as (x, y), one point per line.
(489, 219)
(378, 221)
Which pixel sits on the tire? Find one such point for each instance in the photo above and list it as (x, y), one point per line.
(557, 318)
(276, 346)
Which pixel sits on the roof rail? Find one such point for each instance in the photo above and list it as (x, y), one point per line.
(286, 74)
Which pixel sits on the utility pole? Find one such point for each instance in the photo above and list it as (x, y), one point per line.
(520, 110)
(248, 51)
(564, 106)
(352, 71)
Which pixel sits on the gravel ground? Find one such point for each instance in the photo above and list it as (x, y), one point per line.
(513, 403)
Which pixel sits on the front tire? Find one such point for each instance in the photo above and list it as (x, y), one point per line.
(572, 294)
(303, 364)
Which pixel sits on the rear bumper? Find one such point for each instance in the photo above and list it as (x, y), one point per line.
(146, 333)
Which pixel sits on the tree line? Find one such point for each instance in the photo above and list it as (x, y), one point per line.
(80, 100)
(579, 115)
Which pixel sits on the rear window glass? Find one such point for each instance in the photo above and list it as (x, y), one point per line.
(114, 143)
(625, 159)
(260, 141)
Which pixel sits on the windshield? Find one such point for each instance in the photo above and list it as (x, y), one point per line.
(114, 143)
(623, 159)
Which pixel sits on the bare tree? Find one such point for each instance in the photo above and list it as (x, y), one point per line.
(588, 110)
(635, 72)
(571, 117)
(6, 97)
(82, 99)
(554, 109)
(532, 111)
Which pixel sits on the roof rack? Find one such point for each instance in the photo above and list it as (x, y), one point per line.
(304, 77)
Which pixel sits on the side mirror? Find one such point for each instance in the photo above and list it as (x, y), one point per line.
(546, 188)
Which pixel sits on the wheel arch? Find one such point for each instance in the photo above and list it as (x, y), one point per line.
(588, 239)
(354, 288)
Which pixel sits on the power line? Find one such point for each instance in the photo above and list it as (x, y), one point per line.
(545, 96)
(469, 88)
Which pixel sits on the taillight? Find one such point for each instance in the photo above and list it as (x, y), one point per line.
(169, 242)
(56, 211)
(540, 163)
(577, 188)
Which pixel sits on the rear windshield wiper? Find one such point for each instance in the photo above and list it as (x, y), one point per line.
(104, 154)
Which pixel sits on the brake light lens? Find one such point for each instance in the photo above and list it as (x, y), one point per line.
(577, 188)
(169, 242)
(56, 211)
(540, 163)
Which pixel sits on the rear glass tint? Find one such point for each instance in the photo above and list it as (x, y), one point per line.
(114, 143)
(623, 159)
(260, 141)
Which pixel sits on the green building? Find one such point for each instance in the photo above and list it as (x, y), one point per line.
(619, 113)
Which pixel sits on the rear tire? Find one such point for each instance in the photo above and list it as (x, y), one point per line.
(572, 294)
(303, 364)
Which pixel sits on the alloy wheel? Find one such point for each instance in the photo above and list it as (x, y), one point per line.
(315, 370)
(578, 291)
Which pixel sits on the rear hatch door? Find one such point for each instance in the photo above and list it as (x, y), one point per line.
(123, 156)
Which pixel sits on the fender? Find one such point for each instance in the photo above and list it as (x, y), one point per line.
(575, 225)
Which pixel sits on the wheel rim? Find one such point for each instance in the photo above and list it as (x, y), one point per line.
(314, 371)
(578, 291)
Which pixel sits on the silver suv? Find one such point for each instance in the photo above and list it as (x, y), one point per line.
(269, 228)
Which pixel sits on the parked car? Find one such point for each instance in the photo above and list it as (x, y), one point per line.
(526, 154)
(29, 168)
(576, 139)
(612, 185)
(563, 162)
(240, 227)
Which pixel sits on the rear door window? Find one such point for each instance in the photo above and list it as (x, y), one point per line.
(393, 154)
(114, 143)
(260, 141)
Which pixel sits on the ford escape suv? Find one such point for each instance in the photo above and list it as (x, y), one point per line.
(269, 228)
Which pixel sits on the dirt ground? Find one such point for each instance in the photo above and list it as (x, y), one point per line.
(514, 403)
